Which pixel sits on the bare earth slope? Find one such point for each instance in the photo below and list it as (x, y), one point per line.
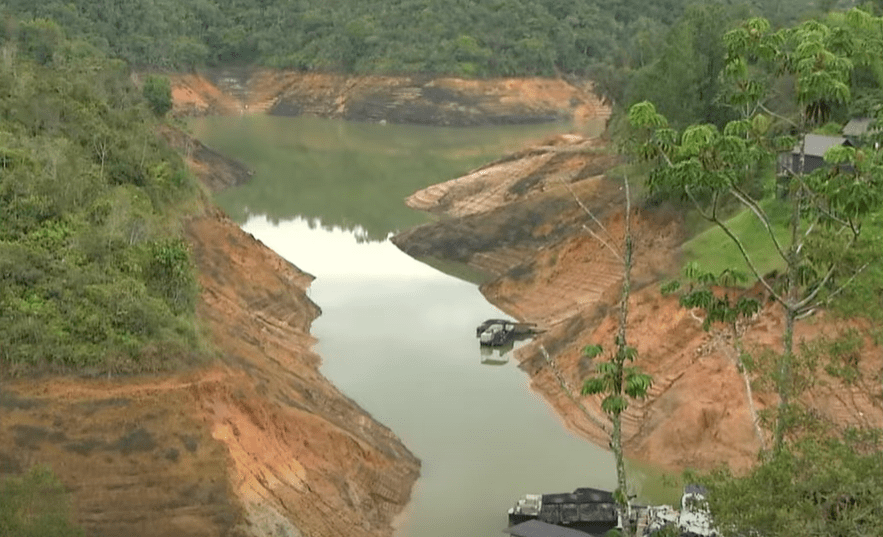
(256, 443)
(403, 99)
(517, 220)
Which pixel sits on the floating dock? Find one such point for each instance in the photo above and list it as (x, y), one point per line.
(499, 332)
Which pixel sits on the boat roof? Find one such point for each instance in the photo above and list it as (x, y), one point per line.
(580, 495)
(537, 528)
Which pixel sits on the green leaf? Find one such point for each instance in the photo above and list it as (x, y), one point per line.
(670, 287)
(592, 351)
(614, 404)
(594, 386)
(607, 369)
(644, 115)
(839, 154)
(637, 384)
(739, 127)
(731, 277)
(760, 124)
(630, 353)
(691, 270)
(747, 306)
(697, 138)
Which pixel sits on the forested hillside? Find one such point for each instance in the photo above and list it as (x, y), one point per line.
(93, 273)
(462, 37)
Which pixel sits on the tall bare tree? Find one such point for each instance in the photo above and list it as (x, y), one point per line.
(615, 379)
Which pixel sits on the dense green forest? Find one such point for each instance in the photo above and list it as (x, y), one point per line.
(94, 274)
(463, 37)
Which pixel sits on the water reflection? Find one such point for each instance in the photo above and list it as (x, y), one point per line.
(495, 355)
(398, 337)
(348, 175)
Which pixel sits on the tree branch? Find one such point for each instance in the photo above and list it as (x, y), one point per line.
(775, 115)
(846, 283)
(761, 215)
(594, 219)
(831, 215)
(804, 303)
(560, 378)
(602, 241)
(702, 212)
(748, 260)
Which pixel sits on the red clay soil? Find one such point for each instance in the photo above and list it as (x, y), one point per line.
(302, 451)
(517, 219)
(401, 99)
(254, 443)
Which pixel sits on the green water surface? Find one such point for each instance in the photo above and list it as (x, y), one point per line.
(397, 335)
(349, 174)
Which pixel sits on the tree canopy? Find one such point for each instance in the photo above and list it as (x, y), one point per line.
(781, 85)
(817, 487)
(94, 275)
(461, 37)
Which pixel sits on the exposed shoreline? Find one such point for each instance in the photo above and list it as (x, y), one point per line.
(419, 100)
(517, 220)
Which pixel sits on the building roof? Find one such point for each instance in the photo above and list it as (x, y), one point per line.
(815, 145)
(536, 528)
(858, 127)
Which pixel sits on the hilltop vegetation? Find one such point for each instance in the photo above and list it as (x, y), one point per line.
(462, 37)
(94, 275)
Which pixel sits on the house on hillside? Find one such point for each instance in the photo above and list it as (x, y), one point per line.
(814, 148)
(858, 131)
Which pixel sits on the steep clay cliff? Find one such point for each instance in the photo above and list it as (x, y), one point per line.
(254, 443)
(518, 220)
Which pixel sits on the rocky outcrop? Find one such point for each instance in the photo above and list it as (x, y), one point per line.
(524, 221)
(403, 99)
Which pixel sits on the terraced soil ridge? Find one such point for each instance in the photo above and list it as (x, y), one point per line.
(518, 220)
(418, 100)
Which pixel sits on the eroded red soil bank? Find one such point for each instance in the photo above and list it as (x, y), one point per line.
(254, 443)
(415, 99)
(518, 220)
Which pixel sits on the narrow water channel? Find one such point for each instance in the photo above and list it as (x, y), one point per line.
(396, 335)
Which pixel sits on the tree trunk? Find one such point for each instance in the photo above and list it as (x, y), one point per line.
(784, 382)
(622, 352)
(622, 495)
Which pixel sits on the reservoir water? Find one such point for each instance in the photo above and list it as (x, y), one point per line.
(396, 335)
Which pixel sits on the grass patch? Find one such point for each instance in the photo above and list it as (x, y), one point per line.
(864, 296)
(36, 503)
(715, 251)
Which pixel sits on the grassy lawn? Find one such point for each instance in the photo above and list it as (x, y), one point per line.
(715, 251)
